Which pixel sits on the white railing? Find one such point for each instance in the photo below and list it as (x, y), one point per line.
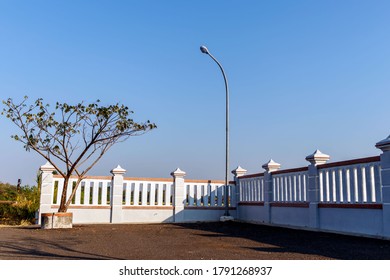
(92, 191)
(357, 183)
(138, 192)
(117, 199)
(95, 191)
(290, 187)
(252, 189)
(207, 194)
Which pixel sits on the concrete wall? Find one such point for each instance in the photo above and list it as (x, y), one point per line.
(349, 197)
(116, 199)
(348, 220)
(194, 214)
(290, 216)
(356, 221)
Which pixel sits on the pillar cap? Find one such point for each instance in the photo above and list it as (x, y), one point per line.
(271, 166)
(118, 170)
(239, 171)
(178, 173)
(384, 144)
(317, 158)
(48, 167)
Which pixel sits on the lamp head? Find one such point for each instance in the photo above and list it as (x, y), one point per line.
(203, 49)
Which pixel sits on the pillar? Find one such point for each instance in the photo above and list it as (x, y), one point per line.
(179, 195)
(238, 172)
(117, 194)
(313, 186)
(384, 145)
(47, 184)
(269, 167)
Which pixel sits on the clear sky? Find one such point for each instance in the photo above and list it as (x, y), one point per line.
(303, 75)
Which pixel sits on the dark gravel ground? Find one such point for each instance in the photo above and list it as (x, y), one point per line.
(196, 241)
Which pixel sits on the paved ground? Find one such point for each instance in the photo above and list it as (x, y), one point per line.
(184, 241)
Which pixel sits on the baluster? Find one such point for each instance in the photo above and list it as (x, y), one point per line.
(364, 184)
(191, 195)
(371, 184)
(219, 195)
(136, 193)
(213, 193)
(152, 194)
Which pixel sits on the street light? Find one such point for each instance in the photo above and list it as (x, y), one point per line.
(226, 215)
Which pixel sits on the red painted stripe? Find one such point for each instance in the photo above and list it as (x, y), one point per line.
(290, 204)
(292, 170)
(207, 208)
(350, 162)
(351, 205)
(251, 203)
(251, 176)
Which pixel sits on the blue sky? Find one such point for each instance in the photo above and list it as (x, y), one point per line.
(303, 75)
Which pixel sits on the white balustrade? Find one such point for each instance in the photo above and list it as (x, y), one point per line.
(357, 183)
(207, 194)
(147, 193)
(252, 189)
(96, 192)
(92, 192)
(290, 187)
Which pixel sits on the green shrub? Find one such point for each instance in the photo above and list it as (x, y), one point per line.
(18, 207)
(7, 192)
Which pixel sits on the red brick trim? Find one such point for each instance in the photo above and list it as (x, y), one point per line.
(204, 181)
(350, 162)
(251, 176)
(46, 214)
(207, 208)
(251, 203)
(351, 205)
(84, 207)
(140, 207)
(300, 169)
(170, 180)
(58, 214)
(290, 204)
(86, 177)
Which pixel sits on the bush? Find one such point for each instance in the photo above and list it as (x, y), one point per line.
(18, 207)
(7, 192)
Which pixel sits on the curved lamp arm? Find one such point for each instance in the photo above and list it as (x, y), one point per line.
(204, 50)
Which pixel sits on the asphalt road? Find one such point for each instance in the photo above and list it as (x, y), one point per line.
(196, 241)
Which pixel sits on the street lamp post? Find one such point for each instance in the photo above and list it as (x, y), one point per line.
(226, 215)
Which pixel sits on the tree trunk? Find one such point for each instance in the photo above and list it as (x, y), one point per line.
(63, 207)
(74, 189)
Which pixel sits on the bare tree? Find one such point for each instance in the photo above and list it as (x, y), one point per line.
(73, 138)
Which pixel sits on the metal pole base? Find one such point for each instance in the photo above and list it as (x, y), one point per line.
(226, 218)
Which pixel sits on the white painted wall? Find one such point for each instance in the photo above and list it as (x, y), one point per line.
(116, 199)
(321, 192)
(350, 197)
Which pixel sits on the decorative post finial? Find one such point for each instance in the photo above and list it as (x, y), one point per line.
(47, 167)
(317, 158)
(271, 166)
(118, 170)
(239, 171)
(178, 173)
(384, 144)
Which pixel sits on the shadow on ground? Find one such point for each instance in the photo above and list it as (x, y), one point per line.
(283, 240)
(26, 243)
